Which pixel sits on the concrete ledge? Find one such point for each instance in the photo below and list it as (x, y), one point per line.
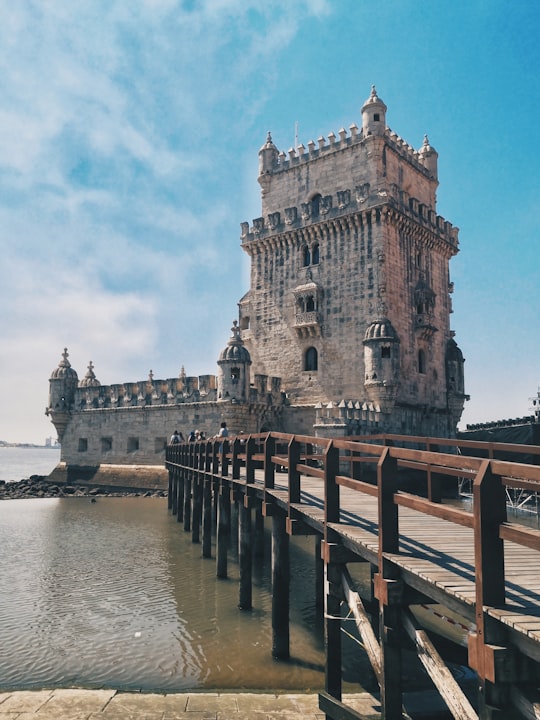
(119, 477)
(75, 704)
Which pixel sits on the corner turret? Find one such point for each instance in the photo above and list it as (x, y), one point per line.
(62, 386)
(382, 363)
(233, 374)
(428, 156)
(268, 161)
(373, 115)
(455, 381)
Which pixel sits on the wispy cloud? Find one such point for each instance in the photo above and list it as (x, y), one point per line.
(113, 147)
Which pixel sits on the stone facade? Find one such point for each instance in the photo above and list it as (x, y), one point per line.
(350, 296)
(345, 328)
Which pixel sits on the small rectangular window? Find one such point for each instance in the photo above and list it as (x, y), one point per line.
(376, 117)
(106, 444)
(385, 351)
(160, 444)
(132, 444)
(83, 444)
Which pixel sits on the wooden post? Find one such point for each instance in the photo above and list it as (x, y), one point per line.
(487, 649)
(331, 488)
(388, 590)
(236, 459)
(332, 630)
(293, 455)
(172, 496)
(269, 470)
(280, 587)
(244, 555)
(259, 531)
(250, 465)
(224, 449)
(172, 484)
(197, 506)
(223, 529)
(187, 498)
(180, 489)
(207, 517)
(234, 537)
(319, 581)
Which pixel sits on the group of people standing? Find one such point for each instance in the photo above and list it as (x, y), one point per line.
(198, 435)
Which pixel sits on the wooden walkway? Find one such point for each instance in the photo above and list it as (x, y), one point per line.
(423, 551)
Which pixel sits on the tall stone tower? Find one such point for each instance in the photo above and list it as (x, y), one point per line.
(349, 300)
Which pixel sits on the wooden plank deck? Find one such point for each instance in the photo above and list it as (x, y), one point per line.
(439, 554)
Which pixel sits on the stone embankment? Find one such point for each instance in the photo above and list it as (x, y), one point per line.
(37, 486)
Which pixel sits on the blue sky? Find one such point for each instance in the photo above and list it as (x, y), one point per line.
(129, 134)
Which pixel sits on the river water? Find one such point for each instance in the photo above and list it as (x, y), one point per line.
(114, 594)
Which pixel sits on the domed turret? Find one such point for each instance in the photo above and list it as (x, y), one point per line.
(381, 363)
(90, 379)
(268, 160)
(373, 115)
(455, 382)
(62, 386)
(233, 374)
(428, 156)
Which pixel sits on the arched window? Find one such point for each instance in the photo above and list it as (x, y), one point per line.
(307, 256)
(315, 206)
(421, 362)
(235, 374)
(310, 304)
(315, 254)
(311, 359)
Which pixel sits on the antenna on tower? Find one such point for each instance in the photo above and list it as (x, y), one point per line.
(295, 134)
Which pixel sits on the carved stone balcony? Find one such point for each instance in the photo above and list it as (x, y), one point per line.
(307, 324)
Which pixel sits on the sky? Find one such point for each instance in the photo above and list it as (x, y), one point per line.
(129, 133)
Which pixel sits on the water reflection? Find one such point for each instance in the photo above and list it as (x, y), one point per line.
(114, 594)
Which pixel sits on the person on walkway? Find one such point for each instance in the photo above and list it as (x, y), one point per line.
(192, 437)
(176, 437)
(223, 431)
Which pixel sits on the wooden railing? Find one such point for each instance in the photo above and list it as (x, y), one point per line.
(380, 468)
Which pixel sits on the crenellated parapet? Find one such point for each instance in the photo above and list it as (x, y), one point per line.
(363, 203)
(301, 154)
(145, 393)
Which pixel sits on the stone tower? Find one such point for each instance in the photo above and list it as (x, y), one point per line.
(349, 300)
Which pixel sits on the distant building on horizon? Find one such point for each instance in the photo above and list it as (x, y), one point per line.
(345, 329)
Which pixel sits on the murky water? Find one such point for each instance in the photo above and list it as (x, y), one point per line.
(113, 593)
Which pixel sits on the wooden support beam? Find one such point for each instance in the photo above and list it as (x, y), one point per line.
(337, 553)
(526, 702)
(363, 623)
(336, 710)
(495, 663)
(299, 527)
(442, 678)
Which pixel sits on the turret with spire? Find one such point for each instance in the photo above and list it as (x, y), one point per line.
(62, 387)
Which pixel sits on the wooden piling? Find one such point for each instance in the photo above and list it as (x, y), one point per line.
(223, 529)
(280, 587)
(245, 555)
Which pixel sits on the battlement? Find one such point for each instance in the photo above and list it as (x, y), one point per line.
(362, 197)
(337, 143)
(172, 391)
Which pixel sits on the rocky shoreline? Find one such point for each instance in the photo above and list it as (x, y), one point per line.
(37, 486)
